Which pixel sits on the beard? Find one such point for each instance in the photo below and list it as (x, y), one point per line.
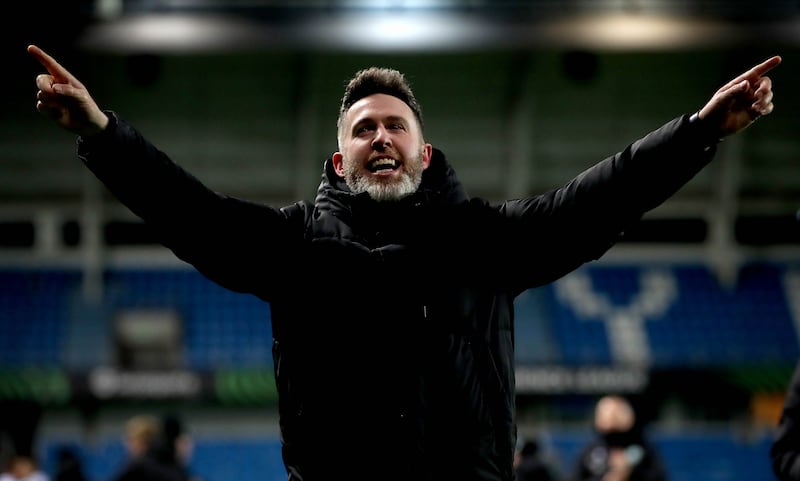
(385, 189)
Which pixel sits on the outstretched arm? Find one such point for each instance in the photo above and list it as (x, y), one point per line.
(64, 99)
(738, 103)
(231, 241)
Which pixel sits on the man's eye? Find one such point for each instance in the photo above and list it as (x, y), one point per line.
(396, 126)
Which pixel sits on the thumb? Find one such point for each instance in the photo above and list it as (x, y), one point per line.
(736, 89)
(743, 86)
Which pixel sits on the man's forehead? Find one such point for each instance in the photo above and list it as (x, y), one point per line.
(379, 105)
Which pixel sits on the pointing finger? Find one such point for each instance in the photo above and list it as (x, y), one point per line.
(59, 73)
(756, 72)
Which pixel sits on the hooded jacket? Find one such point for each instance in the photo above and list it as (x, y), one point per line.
(393, 322)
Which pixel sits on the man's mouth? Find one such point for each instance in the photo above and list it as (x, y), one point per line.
(382, 164)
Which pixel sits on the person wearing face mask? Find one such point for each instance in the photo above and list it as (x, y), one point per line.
(392, 293)
(620, 450)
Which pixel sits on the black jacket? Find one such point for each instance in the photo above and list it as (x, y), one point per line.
(785, 448)
(147, 468)
(593, 461)
(393, 323)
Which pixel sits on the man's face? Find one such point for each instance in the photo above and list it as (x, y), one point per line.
(381, 148)
(613, 415)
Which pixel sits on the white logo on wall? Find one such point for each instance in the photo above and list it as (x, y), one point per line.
(108, 382)
(624, 323)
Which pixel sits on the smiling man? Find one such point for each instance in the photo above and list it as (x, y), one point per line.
(392, 293)
(381, 147)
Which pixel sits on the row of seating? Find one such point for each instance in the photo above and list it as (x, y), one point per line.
(667, 316)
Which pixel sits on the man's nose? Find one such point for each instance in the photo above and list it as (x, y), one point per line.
(381, 139)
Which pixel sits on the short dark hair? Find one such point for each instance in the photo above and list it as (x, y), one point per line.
(378, 80)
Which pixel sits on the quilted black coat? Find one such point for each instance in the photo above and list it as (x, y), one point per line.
(393, 322)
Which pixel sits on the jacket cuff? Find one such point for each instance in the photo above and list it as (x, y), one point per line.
(88, 144)
(706, 133)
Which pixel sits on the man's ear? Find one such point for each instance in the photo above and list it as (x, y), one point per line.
(427, 152)
(338, 163)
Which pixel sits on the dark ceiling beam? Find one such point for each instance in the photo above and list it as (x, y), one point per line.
(428, 31)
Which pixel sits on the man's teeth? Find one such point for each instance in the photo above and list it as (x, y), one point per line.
(384, 163)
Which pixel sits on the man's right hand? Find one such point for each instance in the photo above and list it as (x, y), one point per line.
(64, 99)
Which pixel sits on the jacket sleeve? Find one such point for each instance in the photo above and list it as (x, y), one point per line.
(229, 240)
(785, 449)
(554, 233)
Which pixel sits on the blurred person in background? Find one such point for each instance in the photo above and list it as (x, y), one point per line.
(620, 450)
(23, 467)
(19, 421)
(530, 463)
(149, 458)
(69, 465)
(174, 447)
(785, 448)
(392, 294)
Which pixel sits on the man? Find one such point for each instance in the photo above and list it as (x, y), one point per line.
(531, 465)
(145, 441)
(620, 452)
(392, 293)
